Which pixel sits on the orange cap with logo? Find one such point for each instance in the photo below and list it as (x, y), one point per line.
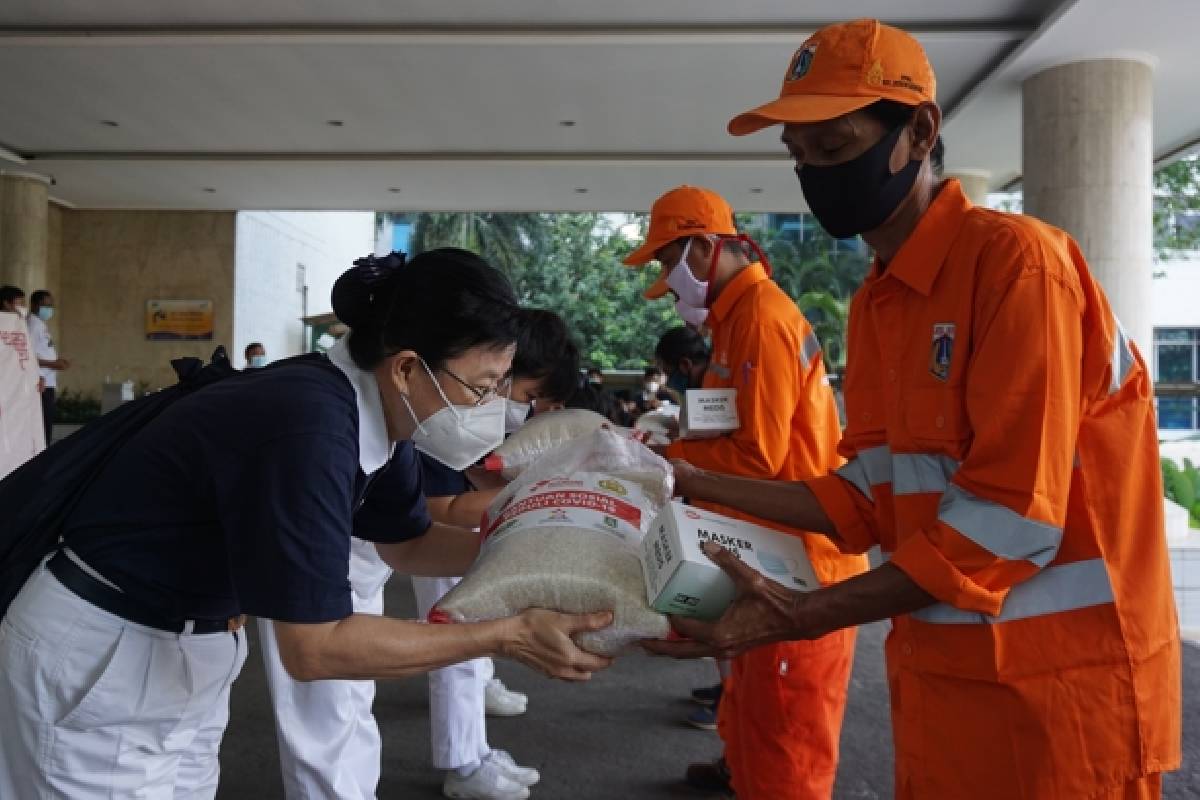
(842, 68)
(683, 211)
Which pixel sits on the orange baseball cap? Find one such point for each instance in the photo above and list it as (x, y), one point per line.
(683, 211)
(842, 68)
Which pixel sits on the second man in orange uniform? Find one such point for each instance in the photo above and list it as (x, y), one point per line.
(781, 712)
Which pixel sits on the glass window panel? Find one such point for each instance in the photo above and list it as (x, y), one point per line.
(1176, 413)
(1175, 334)
(1176, 363)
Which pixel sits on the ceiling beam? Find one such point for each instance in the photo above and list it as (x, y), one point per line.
(582, 157)
(707, 33)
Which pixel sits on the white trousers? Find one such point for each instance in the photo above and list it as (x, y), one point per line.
(458, 728)
(92, 706)
(329, 743)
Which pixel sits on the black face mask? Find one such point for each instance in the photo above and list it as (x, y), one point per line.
(859, 195)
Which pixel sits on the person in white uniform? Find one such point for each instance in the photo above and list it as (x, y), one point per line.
(545, 373)
(117, 655)
(41, 310)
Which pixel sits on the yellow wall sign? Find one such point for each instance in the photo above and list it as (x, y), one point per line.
(173, 320)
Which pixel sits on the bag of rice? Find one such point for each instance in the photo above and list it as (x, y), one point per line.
(566, 536)
(544, 432)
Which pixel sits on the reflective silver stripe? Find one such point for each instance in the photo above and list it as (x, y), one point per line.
(998, 529)
(918, 473)
(1122, 358)
(871, 467)
(1054, 590)
(810, 348)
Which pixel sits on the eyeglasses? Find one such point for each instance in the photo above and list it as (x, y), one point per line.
(484, 394)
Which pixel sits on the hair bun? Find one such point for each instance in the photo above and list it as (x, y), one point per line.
(362, 294)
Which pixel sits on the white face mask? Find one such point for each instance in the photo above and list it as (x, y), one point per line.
(515, 414)
(258, 362)
(652, 387)
(458, 436)
(691, 294)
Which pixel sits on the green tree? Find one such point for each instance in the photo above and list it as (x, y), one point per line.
(1176, 193)
(571, 264)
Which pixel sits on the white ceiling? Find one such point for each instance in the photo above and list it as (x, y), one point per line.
(458, 106)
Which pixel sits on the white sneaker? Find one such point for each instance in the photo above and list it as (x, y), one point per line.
(488, 782)
(499, 701)
(526, 776)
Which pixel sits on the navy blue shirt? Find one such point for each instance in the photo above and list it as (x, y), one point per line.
(241, 499)
(440, 480)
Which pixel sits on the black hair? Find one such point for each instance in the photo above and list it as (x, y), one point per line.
(652, 372)
(10, 294)
(680, 343)
(440, 304)
(600, 401)
(892, 114)
(595, 371)
(251, 346)
(546, 351)
(37, 298)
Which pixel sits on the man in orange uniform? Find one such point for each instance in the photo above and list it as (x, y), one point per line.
(781, 711)
(1002, 451)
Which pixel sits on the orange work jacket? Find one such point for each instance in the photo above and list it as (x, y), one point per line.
(1003, 451)
(764, 347)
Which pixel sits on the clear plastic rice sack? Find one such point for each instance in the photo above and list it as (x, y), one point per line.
(545, 432)
(566, 536)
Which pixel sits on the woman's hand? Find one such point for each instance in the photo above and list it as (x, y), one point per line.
(542, 640)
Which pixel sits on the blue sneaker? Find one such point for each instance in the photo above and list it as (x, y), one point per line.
(703, 718)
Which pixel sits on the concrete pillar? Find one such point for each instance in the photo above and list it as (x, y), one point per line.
(24, 231)
(1087, 168)
(974, 184)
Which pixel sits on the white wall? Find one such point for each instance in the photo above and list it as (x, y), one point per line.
(270, 245)
(1176, 295)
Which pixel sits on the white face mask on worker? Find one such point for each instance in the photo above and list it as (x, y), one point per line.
(458, 436)
(691, 295)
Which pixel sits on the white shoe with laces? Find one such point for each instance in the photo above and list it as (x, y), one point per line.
(488, 782)
(500, 701)
(526, 776)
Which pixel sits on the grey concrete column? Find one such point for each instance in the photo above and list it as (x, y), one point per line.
(1087, 168)
(24, 231)
(974, 184)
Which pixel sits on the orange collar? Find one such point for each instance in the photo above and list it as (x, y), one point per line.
(920, 258)
(749, 277)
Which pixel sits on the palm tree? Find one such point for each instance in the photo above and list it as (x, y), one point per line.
(510, 242)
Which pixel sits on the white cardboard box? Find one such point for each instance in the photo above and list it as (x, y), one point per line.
(681, 580)
(708, 412)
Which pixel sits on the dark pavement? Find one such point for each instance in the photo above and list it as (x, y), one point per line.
(621, 736)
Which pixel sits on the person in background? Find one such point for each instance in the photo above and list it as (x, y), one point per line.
(654, 390)
(782, 706)
(595, 376)
(256, 356)
(12, 299)
(682, 353)
(544, 374)
(1003, 454)
(606, 404)
(41, 310)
